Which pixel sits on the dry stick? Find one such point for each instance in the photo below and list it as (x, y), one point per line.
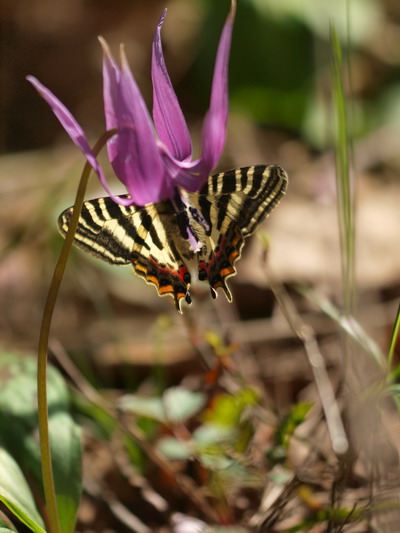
(184, 483)
(120, 511)
(249, 369)
(196, 341)
(45, 451)
(265, 520)
(346, 520)
(134, 478)
(305, 333)
(278, 505)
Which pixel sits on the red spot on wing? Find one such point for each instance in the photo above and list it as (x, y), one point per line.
(221, 262)
(168, 280)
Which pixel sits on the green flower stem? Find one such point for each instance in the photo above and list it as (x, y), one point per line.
(45, 452)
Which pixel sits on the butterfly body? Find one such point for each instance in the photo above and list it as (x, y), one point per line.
(155, 238)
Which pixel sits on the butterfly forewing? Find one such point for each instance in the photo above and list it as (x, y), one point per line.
(141, 236)
(231, 203)
(245, 195)
(105, 230)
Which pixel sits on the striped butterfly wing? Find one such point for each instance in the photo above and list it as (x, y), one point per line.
(141, 236)
(233, 204)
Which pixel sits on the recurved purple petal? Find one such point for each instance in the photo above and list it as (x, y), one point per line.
(170, 123)
(214, 127)
(111, 75)
(133, 153)
(191, 175)
(67, 120)
(75, 132)
(186, 174)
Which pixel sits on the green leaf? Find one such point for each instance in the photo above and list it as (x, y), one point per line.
(174, 449)
(291, 421)
(147, 407)
(279, 477)
(394, 389)
(67, 456)
(6, 527)
(18, 430)
(227, 409)
(176, 405)
(277, 455)
(393, 340)
(215, 461)
(180, 403)
(317, 14)
(99, 422)
(394, 375)
(16, 495)
(211, 434)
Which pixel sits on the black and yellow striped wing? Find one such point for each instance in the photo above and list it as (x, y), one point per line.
(234, 203)
(140, 236)
(231, 203)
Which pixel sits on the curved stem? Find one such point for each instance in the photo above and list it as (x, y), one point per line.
(45, 452)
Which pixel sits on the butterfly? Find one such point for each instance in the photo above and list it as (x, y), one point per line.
(153, 238)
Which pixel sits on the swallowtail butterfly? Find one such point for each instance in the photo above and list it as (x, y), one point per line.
(153, 238)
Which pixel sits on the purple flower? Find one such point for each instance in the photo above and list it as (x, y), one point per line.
(152, 166)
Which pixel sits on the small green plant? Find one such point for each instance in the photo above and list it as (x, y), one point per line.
(19, 447)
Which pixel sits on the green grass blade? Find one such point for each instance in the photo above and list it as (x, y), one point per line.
(348, 324)
(393, 340)
(345, 186)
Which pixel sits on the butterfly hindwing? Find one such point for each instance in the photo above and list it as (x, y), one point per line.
(160, 263)
(226, 210)
(216, 261)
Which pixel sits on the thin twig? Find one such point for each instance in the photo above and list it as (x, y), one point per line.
(278, 505)
(305, 333)
(122, 513)
(346, 520)
(133, 477)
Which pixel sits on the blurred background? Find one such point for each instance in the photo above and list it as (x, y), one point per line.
(112, 324)
(281, 112)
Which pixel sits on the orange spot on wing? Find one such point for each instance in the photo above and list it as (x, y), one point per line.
(166, 289)
(236, 240)
(226, 271)
(154, 280)
(140, 267)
